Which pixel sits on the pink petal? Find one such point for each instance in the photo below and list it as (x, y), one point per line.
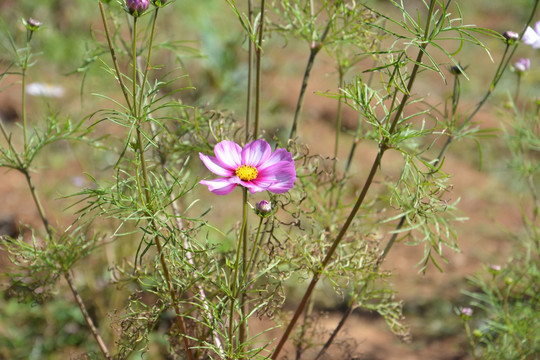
(252, 186)
(256, 152)
(277, 178)
(220, 186)
(537, 27)
(278, 156)
(229, 153)
(530, 37)
(215, 166)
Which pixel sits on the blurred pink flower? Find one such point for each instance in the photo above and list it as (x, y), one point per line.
(254, 167)
(522, 65)
(137, 7)
(532, 37)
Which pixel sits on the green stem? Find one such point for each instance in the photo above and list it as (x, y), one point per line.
(508, 322)
(113, 56)
(24, 68)
(78, 299)
(303, 328)
(134, 62)
(258, 57)
(376, 164)
(236, 285)
(147, 67)
(247, 271)
(312, 54)
(257, 249)
(336, 143)
(336, 330)
(243, 325)
(518, 85)
(471, 340)
(23, 108)
(314, 48)
(338, 117)
(250, 70)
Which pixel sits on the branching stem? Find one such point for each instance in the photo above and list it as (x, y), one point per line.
(376, 164)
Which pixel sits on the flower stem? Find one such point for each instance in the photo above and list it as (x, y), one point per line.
(314, 48)
(134, 65)
(249, 264)
(236, 280)
(258, 57)
(249, 75)
(336, 143)
(69, 278)
(471, 340)
(23, 108)
(119, 76)
(518, 85)
(147, 67)
(312, 54)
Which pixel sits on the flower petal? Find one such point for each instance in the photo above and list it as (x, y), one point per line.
(220, 186)
(530, 37)
(256, 153)
(277, 178)
(280, 155)
(216, 166)
(252, 186)
(537, 27)
(229, 153)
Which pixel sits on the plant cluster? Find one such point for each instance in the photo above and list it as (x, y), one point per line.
(200, 285)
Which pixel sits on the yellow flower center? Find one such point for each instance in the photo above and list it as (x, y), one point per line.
(247, 172)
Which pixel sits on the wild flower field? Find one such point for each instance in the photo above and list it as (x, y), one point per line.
(252, 179)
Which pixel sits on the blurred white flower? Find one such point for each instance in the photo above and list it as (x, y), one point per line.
(44, 89)
(532, 37)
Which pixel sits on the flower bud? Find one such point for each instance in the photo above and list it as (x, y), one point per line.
(511, 37)
(32, 24)
(263, 208)
(522, 65)
(456, 70)
(495, 269)
(136, 7)
(466, 313)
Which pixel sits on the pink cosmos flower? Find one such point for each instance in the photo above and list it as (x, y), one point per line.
(254, 167)
(532, 37)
